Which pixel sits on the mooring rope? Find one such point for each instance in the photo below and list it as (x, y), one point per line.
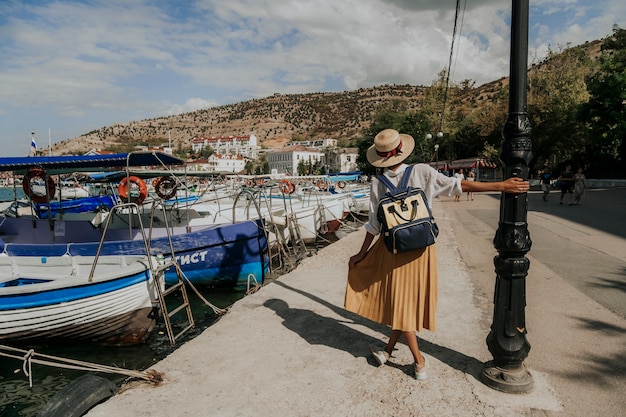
(28, 357)
(216, 309)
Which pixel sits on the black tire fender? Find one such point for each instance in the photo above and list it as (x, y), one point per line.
(78, 397)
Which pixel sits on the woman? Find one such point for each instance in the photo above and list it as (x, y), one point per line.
(580, 185)
(470, 194)
(461, 175)
(401, 290)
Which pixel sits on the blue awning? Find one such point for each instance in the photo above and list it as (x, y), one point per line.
(119, 161)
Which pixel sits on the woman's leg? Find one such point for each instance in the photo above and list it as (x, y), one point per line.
(393, 339)
(411, 341)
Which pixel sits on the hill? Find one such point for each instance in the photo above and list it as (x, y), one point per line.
(278, 119)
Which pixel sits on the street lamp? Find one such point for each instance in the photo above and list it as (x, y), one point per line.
(439, 136)
(507, 338)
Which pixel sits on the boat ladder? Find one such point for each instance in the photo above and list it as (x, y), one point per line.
(165, 291)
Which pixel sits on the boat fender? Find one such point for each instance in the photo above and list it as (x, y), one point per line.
(78, 397)
(322, 185)
(286, 187)
(341, 184)
(165, 187)
(124, 189)
(35, 173)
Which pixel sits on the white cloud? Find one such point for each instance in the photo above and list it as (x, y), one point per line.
(111, 61)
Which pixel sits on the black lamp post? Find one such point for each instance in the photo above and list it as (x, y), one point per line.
(507, 338)
(439, 136)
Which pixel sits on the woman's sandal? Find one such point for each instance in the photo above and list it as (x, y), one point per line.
(420, 371)
(381, 356)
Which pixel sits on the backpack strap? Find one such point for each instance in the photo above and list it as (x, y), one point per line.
(403, 182)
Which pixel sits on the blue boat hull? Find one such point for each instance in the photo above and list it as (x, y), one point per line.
(225, 256)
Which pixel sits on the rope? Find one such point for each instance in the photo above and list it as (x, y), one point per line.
(216, 309)
(28, 357)
(255, 288)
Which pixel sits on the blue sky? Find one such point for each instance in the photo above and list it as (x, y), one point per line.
(68, 67)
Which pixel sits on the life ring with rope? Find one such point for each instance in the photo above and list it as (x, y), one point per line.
(127, 195)
(286, 187)
(341, 184)
(165, 187)
(34, 174)
(322, 185)
(250, 184)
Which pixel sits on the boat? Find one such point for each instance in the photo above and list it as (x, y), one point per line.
(111, 300)
(227, 255)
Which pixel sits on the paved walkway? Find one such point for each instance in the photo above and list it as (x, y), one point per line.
(291, 350)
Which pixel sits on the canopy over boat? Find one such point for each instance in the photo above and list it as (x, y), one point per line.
(83, 162)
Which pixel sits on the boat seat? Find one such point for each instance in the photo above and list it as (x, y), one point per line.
(43, 267)
(6, 269)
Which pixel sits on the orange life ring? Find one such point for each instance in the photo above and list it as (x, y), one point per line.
(322, 185)
(35, 173)
(286, 187)
(341, 184)
(125, 193)
(165, 187)
(250, 184)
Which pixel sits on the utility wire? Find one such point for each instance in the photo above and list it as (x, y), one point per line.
(447, 85)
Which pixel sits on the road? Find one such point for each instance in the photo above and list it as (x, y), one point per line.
(585, 244)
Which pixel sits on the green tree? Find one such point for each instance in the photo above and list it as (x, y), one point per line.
(557, 89)
(604, 113)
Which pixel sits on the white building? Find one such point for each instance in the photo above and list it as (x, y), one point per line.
(245, 145)
(285, 160)
(317, 143)
(342, 159)
(219, 163)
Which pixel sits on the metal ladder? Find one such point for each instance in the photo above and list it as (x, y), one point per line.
(179, 286)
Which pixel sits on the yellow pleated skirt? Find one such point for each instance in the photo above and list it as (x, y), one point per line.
(397, 290)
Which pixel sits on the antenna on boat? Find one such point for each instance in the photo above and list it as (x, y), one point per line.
(49, 143)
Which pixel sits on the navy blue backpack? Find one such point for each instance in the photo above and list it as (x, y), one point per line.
(406, 219)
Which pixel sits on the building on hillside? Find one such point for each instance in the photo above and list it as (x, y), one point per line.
(285, 160)
(341, 159)
(219, 163)
(244, 145)
(317, 143)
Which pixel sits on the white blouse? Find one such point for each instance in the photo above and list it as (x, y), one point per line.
(423, 176)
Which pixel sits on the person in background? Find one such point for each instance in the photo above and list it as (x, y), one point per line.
(400, 290)
(567, 182)
(546, 181)
(470, 177)
(580, 185)
(459, 174)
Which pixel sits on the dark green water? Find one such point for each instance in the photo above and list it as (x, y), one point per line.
(17, 398)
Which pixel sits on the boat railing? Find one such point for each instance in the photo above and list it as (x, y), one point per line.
(157, 267)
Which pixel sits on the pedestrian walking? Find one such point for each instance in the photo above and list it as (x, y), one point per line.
(580, 185)
(400, 290)
(566, 179)
(546, 182)
(470, 194)
(459, 174)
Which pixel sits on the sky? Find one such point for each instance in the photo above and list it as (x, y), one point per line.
(68, 67)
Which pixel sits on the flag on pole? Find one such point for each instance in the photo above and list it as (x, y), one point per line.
(33, 147)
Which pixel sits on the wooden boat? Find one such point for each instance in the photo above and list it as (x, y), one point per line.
(112, 300)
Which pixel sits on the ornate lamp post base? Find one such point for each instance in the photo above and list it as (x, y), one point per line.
(511, 381)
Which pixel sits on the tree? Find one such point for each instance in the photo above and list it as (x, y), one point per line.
(557, 89)
(604, 113)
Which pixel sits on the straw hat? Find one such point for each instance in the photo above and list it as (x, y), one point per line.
(390, 148)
